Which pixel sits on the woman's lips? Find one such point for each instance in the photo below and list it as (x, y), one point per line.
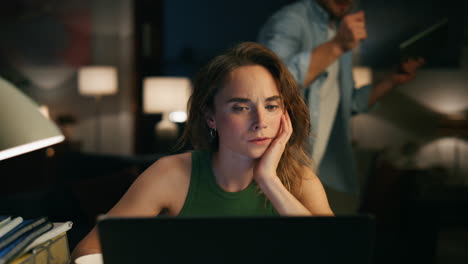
(260, 141)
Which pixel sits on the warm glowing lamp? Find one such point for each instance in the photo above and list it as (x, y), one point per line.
(97, 81)
(167, 96)
(23, 128)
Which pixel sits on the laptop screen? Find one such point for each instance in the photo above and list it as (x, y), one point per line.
(345, 239)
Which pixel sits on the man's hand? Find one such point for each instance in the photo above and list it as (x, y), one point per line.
(407, 71)
(351, 31)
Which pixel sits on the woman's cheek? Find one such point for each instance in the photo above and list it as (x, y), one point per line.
(233, 125)
(276, 124)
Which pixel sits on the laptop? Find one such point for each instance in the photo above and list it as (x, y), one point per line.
(342, 239)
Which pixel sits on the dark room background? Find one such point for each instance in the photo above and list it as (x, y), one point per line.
(417, 135)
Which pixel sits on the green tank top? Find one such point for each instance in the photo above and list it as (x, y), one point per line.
(206, 198)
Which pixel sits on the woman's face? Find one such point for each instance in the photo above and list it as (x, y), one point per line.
(248, 110)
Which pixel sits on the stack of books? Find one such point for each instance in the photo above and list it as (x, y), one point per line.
(18, 236)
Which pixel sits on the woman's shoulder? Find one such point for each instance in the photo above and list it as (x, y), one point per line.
(163, 185)
(167, 180)
(173, 171)
(180, 159)
(178, 164)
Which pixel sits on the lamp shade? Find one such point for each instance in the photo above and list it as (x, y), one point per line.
(23, 128)
(165, 94)
(97, 80)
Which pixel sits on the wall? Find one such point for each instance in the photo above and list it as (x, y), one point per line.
(47, 41)
(113, 45)
(195, 31)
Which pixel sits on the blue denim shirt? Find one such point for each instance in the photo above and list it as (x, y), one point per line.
(292, 33)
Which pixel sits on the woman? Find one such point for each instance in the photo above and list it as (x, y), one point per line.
(249, 127)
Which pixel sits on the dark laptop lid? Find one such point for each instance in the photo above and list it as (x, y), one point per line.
(344, 239)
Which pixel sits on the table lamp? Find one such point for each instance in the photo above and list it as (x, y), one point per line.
(23, 128)
(97, 81)
(167, 96)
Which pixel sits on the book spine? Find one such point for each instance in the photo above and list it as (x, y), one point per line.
(28, 238)
(54, 232)
(10, 225)
(4, 219)
(20, 230)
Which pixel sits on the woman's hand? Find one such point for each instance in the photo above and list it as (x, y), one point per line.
(313, 199)
(265, 169)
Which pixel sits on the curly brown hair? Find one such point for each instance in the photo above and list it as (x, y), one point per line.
(211, 79)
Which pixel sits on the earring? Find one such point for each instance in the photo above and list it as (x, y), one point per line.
(212, 133)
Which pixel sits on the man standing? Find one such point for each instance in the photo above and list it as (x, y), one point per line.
(315, 38)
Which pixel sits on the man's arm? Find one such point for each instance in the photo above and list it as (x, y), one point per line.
(350, 33)
(283, 34)
(407, 73)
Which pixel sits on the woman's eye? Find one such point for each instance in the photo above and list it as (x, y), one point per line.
(239, 108)
(272, 107)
